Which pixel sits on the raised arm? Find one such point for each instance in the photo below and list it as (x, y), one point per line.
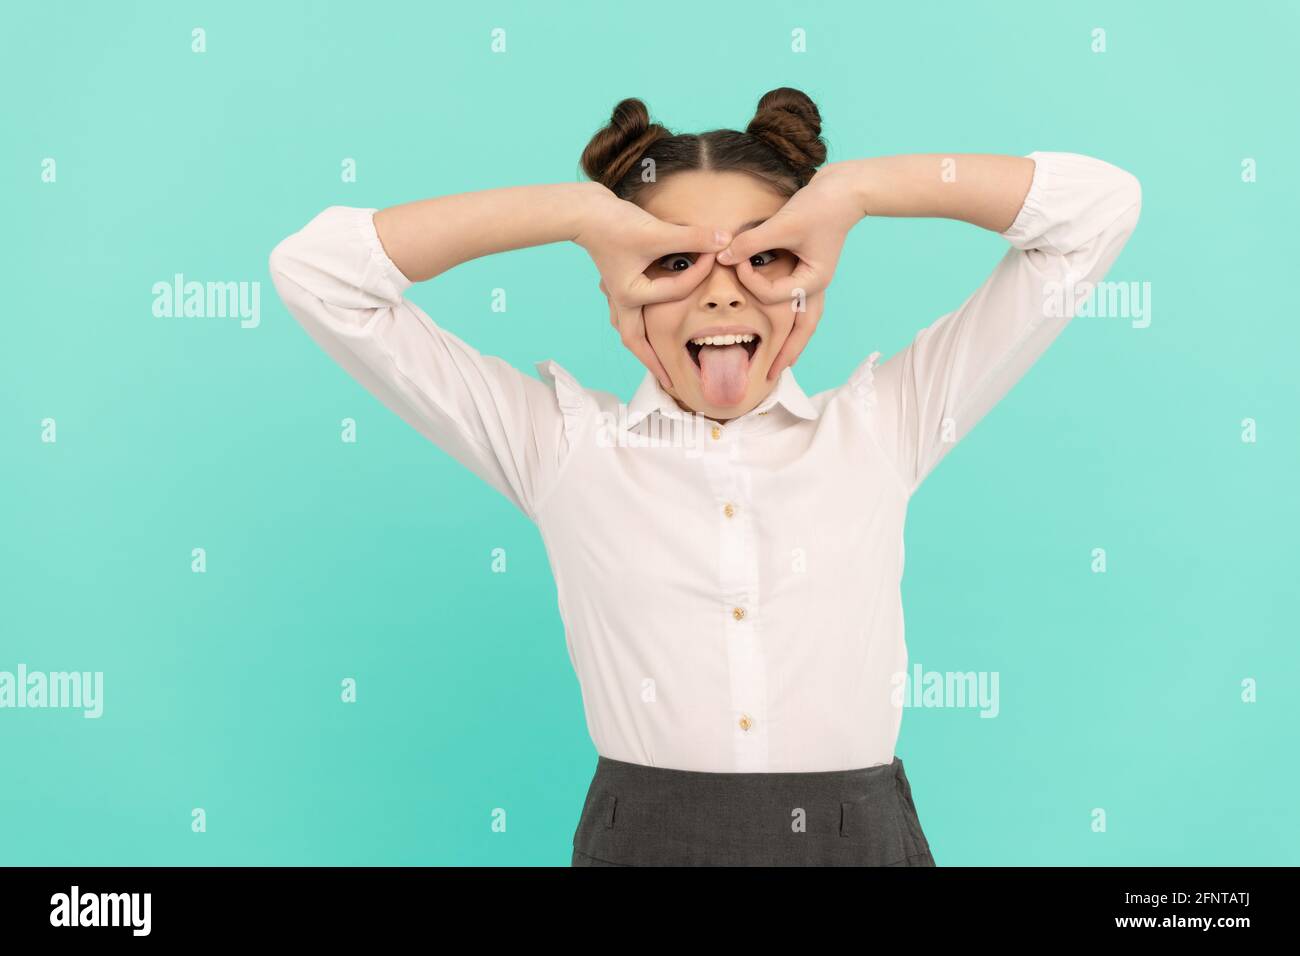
(343, 275)
(427, 237)
(983, 189)
(1066, 217)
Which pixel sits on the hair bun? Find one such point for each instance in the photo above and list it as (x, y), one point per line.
(789, 122)
(614, 149)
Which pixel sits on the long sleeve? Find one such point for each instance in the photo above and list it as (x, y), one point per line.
(1076, 217)
(512, 430)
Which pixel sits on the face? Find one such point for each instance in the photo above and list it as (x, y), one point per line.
(720, 381)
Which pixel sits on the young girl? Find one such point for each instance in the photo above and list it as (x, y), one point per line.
(730, 592)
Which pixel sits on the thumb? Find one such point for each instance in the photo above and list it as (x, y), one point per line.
(693, 239)
(748, 243)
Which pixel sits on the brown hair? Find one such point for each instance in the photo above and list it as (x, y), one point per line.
(782, 145)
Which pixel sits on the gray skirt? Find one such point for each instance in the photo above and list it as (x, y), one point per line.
(636, 815)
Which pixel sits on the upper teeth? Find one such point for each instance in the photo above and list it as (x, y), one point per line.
(722, 339)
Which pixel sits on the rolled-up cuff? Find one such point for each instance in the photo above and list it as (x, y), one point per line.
(1072, 200)
(383, 268)
(1030, 222)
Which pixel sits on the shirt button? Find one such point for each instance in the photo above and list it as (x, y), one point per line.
(737, 612)
(762, 413)
(716, 432)
(729, 510)
(746, 722)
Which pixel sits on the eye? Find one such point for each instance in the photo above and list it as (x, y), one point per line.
(754, 259)
(670, 262)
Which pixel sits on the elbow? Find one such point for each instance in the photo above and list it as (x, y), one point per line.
(278, 261)
(1118, 194)
(299, 250)
(1124, 193)
(277, 266)
(1132, 191)
(285, 266)
(1128, 219)
(1123, 206)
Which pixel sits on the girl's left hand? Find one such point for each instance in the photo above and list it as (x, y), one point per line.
(812, 226)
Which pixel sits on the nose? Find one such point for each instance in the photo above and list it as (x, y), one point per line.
(723, 291)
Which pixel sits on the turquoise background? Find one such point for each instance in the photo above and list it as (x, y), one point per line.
(328, 560)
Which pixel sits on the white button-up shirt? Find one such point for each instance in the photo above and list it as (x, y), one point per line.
(730, 592)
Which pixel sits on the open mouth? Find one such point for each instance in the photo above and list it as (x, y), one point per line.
(723, 362)
(750, 342)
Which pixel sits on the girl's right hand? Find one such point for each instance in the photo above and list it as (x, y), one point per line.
(623, 241)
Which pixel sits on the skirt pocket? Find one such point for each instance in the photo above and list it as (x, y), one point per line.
(874, 828)
(595, 826)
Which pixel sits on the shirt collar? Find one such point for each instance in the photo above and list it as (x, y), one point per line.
(650, 397)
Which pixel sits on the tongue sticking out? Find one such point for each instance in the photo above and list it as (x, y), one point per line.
(724, 373)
